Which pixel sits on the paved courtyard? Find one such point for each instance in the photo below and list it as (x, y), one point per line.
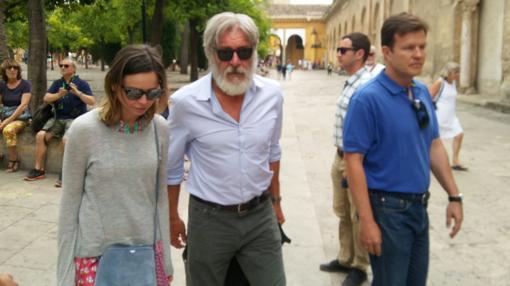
(480, 255)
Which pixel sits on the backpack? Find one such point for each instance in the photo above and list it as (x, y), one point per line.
(42, 114)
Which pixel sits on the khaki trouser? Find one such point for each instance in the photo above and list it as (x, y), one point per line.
(351, 253)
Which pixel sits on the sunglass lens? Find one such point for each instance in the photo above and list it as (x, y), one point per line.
(155, 93)
(225, 55)
(133, 93)
(244, 53)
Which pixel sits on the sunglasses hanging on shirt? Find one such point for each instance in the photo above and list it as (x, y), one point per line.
(422, 116)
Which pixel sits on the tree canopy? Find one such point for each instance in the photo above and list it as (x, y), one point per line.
(98, 25)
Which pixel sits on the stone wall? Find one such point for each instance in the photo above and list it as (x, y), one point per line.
(26, 151)
(484, 49)
(505, 57)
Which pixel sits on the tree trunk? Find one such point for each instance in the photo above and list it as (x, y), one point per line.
(193, 48)
(4, 52)
(184, 49)
(158, 21)
(131, 35)
(37, 51)
(86, 59)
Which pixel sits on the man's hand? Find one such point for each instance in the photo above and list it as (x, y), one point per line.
(178, 236)
(370, 237)
(62, 91)
(278, 212)
(74, 89)
(454, 212)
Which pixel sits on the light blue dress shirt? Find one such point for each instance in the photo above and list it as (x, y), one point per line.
(229, 159)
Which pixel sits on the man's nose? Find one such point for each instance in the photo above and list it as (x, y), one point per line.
(235, 61)
(419, 52)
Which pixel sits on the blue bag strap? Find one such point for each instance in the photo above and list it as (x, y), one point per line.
(157, 180)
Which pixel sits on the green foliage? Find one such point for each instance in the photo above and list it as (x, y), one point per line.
(64, 33)
(17, 34)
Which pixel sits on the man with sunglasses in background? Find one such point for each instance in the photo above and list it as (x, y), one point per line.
(391, 144)
(372, 65)
(228, 123)
(352, 52)
(69, 96)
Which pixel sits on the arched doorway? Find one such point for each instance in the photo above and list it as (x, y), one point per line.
(294, 51)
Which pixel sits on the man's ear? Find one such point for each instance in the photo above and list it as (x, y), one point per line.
(360, 54)
(386, 51)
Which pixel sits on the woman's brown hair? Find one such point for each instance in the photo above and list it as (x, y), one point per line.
(132, 59)
(10, 63)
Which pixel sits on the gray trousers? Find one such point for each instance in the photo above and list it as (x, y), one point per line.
(215, 236)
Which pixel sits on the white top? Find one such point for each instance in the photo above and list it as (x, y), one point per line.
(449, 125)
(376, 69)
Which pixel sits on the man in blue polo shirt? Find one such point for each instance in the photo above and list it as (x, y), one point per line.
(391, 143)
(70, 96)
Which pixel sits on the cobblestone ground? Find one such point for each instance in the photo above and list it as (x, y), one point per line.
(480, 254)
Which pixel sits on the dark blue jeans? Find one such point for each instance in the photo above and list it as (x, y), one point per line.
(405, 241)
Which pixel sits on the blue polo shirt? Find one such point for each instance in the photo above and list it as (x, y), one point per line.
(70, 105)
(382, 125)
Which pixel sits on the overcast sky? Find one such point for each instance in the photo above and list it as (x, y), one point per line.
(311, 1)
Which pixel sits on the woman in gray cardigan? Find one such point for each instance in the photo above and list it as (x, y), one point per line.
(109, 170)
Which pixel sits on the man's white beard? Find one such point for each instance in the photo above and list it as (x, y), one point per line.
(235, 87)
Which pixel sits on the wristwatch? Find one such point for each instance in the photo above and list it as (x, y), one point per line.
(457, 198)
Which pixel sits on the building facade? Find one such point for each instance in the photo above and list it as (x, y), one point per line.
(474, 33)
(298, 34)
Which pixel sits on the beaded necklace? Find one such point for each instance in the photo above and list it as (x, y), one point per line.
(137, 127)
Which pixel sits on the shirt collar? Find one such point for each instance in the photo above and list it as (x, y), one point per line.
(392, 86)
(356, 76)
(205, 90)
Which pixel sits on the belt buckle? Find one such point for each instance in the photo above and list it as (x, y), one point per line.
(240, 209)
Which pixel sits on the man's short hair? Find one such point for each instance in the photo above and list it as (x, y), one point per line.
(359, 42)
(401, 24)
(224, 22)
(73, 63)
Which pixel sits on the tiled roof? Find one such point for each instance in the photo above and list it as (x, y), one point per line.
(277, 11)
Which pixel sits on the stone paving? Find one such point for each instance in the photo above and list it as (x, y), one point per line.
(480, 255)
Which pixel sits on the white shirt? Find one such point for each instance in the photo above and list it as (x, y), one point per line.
(229, 159)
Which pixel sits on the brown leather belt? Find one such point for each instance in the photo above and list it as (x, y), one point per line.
(238, 208)
(340, 152)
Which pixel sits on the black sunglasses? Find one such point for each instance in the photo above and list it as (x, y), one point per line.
(343, 50)
(227, 54)
(12, 67)
(63, 66)
(136, 93)
(421, 113)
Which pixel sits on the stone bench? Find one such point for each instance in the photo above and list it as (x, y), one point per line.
(26, 152)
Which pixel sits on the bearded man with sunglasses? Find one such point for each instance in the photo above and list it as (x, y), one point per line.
(391, 143)
(69, 96)
(228, 123)
(352, 52)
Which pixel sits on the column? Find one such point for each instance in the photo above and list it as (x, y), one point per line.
(468, 7)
